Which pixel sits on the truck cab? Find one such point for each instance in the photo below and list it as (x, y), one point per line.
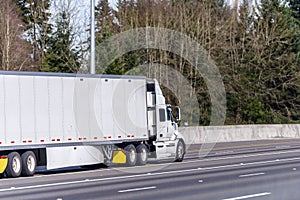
(162, 125)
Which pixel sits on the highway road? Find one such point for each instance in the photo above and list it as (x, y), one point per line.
(226, 171)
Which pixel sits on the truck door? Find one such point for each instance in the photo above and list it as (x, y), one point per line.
(170, 123)
(165, 131)
(165, 123)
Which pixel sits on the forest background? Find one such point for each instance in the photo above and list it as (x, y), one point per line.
(255, 45)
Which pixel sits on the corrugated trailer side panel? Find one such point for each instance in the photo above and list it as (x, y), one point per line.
(81, 108)
(69, 123)
(120, 108)
(12, 110)
(105, 115)
(55, 109)
(132, 97)
(86, 106)
(52, 109)
(140, 120)
(123, 108)
(41, 101)
(2, 111)
(27, 109)
(95, 132)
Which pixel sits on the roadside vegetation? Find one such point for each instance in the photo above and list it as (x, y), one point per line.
(255, 46)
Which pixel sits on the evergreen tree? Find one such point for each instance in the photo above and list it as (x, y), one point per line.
(36, 17)
(60, 56)
(105, 21)
(255, 48)
(295, 6)
(105, 28)
(276, 69)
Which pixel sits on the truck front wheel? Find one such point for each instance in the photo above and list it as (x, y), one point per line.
(180, 151)
(14, 165)
(29, 163)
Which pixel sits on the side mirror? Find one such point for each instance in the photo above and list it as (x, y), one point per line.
(178, 114)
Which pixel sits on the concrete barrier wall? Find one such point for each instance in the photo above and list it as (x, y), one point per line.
(213, 134)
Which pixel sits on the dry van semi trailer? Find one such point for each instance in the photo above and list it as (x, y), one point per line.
(53, 121)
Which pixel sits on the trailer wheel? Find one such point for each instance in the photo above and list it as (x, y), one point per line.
(131, 156)
(28, 163)
(142, 154)
(180, 151)
(14, 165)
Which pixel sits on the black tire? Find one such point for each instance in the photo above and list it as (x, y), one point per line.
(142, 154)
(131, 155)
(14, 165)
(180, 151)
(28, 163)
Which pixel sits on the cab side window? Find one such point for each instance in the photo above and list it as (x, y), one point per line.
(162, 115)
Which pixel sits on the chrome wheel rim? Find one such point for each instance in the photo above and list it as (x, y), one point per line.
(132, 156)
(31, 163)
(16, 164)
(180, 151)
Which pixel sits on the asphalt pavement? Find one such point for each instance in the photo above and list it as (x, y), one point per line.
(267, 169)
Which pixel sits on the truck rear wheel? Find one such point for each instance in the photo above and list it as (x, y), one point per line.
(131, 156)
(14, 165)
(142, 154)
(28, 163)
(180, 151)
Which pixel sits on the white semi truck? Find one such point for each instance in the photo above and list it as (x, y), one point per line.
(53, 121)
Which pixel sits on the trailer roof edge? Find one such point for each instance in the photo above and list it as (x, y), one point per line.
(53, 74)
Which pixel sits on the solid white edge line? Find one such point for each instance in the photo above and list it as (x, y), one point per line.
(249, 196)
(250, 175)
(137, 189)
(185, 162)
(144, 175)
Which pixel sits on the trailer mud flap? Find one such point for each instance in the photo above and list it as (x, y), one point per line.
(119, 157)
(3, 163)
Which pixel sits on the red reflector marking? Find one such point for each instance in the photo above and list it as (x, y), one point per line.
(42, 140)
(128, 136)
(3, 157)
(12, 142)
(69, 139)
(24, 141)
(95, 138)
(29, 141)
(84, 138)
(119, 136)
(0, 142)
(145, 135)
(53, 140)
(80, 139)
(132, 136)
(58, 140)
(105, 137)
(109, 137)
